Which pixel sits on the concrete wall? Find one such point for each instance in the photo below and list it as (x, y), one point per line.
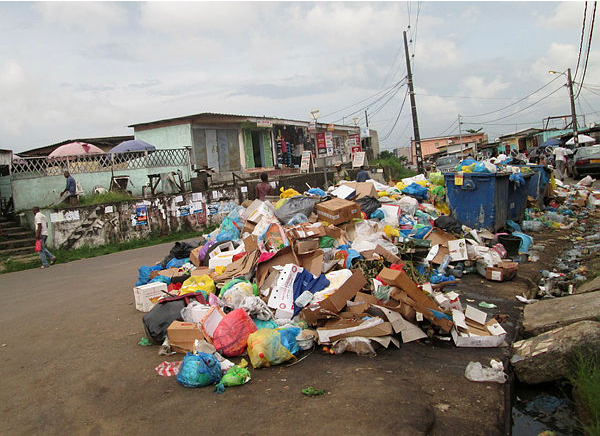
(43, 191)
(177, 136)
(107, 223)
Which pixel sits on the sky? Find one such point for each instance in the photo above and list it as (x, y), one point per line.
(90, 69)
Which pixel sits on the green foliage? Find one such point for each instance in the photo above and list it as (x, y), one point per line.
(63, 256)
(585, 378)
(393, 168)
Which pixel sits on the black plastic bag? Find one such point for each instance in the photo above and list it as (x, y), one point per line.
(157, 321)
(180, 250)
(368, 205)
(448, 224)
(295, 205)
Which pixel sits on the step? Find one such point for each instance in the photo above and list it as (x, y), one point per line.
(13, 243)
(9, 225)
(25, 257)
(8, 252)
(17, 232)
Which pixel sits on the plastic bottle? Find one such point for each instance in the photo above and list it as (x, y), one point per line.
(444, 264)
(556, 217)
(532, 226)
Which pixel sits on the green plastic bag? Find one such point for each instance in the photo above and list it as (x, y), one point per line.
(436, 179)
(235, 376)
(326, 242)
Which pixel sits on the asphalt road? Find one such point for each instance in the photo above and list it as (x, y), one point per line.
(71, 365)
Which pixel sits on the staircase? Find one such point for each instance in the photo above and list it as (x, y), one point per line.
(15, 241)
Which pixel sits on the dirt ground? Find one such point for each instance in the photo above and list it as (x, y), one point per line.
(71, 365)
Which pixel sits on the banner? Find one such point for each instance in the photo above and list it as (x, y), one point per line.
(321, 146)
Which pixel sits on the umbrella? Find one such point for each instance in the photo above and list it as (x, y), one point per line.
(75, 148)
(551, 143)
(582, 139)
(132, 145)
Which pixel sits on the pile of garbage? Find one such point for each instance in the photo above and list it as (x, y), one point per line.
(355, 268)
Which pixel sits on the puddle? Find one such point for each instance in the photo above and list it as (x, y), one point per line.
(544, 408)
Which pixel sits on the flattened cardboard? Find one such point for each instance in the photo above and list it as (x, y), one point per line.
(336, 233)
(337, 211)
(363, 189)
(200, 271)
(458, 250)
(344, 328)
(381, 252)
(282, 257)
(194, 256)
(305, 230)
(367, 298)
(401, 280)
(251, 243)
(182, 336)
(170, 273)
(282, 294)
(344, 191)
(240, 267)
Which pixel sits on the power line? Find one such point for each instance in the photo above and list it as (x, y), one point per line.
(447, 128)
(512, 104)
(525, 108)
(588, 50)
(582, 38)
(469, 97)
(375, 111)
(398, 117)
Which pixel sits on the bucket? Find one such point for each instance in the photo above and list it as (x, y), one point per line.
(305, 343)
(511, 244)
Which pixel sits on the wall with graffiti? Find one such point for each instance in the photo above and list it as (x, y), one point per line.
(102, 224)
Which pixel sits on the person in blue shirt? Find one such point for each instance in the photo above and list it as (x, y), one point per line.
(363, 175)
(71, 188)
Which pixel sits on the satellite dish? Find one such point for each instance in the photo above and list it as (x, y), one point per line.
(314, 114)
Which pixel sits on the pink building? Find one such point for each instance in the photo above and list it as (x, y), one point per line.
(450, 144)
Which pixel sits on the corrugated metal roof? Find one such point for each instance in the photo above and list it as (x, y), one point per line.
(106, 142)
(243, 117)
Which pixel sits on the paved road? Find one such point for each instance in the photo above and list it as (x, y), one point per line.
(71, 364)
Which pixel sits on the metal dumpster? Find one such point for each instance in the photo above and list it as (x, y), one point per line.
(517, 198)
(536, 185)
(481, 202)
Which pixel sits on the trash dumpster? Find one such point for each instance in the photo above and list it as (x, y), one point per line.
(517, 198)
(536, 185)
(481, 201)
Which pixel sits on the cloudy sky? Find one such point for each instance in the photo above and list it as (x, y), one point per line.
(87, 69)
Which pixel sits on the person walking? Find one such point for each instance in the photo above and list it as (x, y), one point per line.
(560, 157)
(264, 188)
(41, 233)
(71, 188)
(363, 175)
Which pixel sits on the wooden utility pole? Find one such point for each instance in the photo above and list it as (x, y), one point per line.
(573, 115)
(413, 106)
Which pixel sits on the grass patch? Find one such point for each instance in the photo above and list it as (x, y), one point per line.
(89, 200)
(585, 378)
(85, 252)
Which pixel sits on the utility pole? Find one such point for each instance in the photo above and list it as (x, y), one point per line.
(573, 115)
(460, 138)
(413, 106)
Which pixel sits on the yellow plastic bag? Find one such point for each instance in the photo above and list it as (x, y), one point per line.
(390, 231)
(400, 186)
(290, 192)
(468, 168)
(265, 349)
(442, 207)
(383, 194)
(198, 283)
(280, 203)
(423, 183)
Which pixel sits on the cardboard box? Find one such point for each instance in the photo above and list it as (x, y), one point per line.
(304, 246)
(210, 321)
(306, 230)
(344, 328)
(337, 301)
(381, 253)
(182, 336)
(259, 209)
(401, 280)
(458, 250)
(194, 257)
(146, 296)
(281, 297)
(251, 243)
(338, 211)
(504, 271)
(313, 262)
(471, 329)
(248, 227)
(363, 189)
(171, 272)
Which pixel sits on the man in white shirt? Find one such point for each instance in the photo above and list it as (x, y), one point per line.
(560, 157)
(501, 158)
(41, 233)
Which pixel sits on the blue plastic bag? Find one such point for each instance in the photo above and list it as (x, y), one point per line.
(231, 226)
(526, 241)
(288, 338)
(144, 274)
(416, 190)
(317, 191)
(378, 214)
(199, 370)
(177, 263)
(480, 168)
(517, 178)
(299, 218)
(163, 279)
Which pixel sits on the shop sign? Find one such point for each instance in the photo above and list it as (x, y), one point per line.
(312, 126)
(358, 159)
(330, 127)
(321, 145)
(264, 123)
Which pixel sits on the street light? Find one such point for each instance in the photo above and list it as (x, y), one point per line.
(572, 101)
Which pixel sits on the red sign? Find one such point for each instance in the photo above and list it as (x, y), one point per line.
(321, 145)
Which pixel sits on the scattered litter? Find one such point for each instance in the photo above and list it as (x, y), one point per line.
(487, 305)
(312, 392)
(495, 373)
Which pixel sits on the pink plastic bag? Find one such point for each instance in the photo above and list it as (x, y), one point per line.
(231, 335)
(38, 245)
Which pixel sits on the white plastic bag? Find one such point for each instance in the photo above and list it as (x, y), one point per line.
(194, 312)
(409, 205)
(476, 372)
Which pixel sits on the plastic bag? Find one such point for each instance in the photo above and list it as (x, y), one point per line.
(288, 193)
(391, 231)
(293, 206)
(235, 376)
(408, 205)
(288, 338)
(436, 178)
(265, 349)
(232, 225)
(198, 283)
(38, 245)
(256, 308)
(480, 167)
(234, 296)
(317, 191)
(251, 288)
(231, 335)
(416, 190)
(204, 250)
(194, 312)
(299, 218)
(199, 370)
(359, 345)
(476, 372)
(368, 204)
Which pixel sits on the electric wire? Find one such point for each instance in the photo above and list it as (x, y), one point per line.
(398, 117)
(582, 38)
(588, 50)
(512, 104)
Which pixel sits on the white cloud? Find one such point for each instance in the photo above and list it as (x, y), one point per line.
(477, 86)
(440, 52)
(89, 16)
(566, 15)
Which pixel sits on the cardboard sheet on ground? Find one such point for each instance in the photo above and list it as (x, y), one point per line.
(409, 331)
(240, 267)
(344, 328)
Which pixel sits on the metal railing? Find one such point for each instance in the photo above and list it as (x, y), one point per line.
(31, 167)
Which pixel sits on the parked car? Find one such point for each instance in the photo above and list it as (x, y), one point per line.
(446, 163)
(585, 160)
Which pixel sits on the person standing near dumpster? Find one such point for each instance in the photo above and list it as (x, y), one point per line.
(363, 175)
(560, 156)
(71, 188)
(264, 188)
(41, 233)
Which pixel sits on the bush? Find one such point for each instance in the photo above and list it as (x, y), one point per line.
(393, 168)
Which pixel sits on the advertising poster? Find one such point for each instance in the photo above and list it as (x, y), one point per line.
(141, 214)
(321, 146)
(329, 143)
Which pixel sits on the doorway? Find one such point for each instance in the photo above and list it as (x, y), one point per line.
(257, 150)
